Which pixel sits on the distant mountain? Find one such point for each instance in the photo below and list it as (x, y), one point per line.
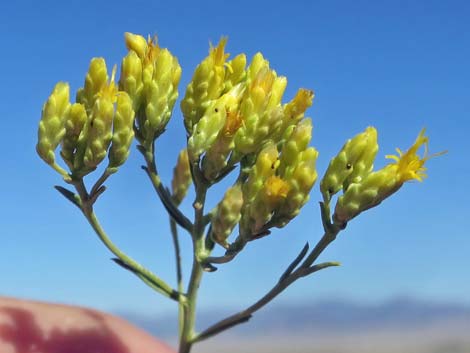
(327, 316)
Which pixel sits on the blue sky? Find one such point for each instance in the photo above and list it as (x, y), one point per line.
(396, 65)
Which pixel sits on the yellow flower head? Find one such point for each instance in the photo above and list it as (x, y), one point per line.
(110, 89)
(276, 188)
(409, 165)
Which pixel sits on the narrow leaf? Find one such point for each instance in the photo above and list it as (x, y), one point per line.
(294, 263)
(69, 195)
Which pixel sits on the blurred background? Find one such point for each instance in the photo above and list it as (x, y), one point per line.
(397, 65)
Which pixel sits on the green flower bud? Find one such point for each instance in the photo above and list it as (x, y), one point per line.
(211, 125)
(217, 155)
(131, 79)
(123, 132)
(357, 152)
(298, 141)
(207, 84)
(95, 80)
(264, 167)
(51, 127)
(369, 192)
(99, 131)
(254, 214)
(74, 124)
(227, 215)
(300, 181)
(235, 72)
(160, 94)
(181, 177)
(207, 129)
(260, 107)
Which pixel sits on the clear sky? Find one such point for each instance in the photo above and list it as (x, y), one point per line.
(396, 65)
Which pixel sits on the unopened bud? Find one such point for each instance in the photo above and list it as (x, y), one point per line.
(51, 127)
(95, 80)
(357, 152)
(206, 85)
(181, 177)
(74, 124)
(123, 132)
(227, 215)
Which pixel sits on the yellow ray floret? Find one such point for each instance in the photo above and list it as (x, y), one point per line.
(409, 165)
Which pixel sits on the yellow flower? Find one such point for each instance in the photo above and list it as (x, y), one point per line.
(276, 189)
(409, 165)
(377, 186)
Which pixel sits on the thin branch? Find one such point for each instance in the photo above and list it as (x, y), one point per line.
(245, 315)
(146, 275)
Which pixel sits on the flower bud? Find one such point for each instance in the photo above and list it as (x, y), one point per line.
(254, 217)
(51, 127)
(358, 152)
(227, 215)
(123, 132)
(74, 123)
(236, 72)
(136, 43)
(207, 84)
(212, 124)
(181, 177)
(299, 139)
(99, 132)
(160, 94)
(95, 80)
(131, 78)
(301, 181)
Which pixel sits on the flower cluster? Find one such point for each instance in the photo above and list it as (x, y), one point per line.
(99, 123)
(351, 171)
(150, 75)
(234, 114)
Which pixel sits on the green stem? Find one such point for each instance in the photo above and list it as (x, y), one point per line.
(289, 277)
(199, 253)
(188, 330)
(245, 315)
(87, 210)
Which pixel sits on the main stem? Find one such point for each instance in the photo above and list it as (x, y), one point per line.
(189, 313)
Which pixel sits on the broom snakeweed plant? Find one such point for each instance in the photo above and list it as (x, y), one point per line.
(235, 121)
